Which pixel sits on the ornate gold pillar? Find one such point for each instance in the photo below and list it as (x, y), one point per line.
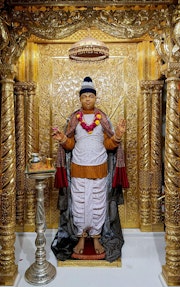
(31, 146)
(20, 153)
(8, 269)
(171, 270)
(150, 124)
(156, 156)
(144, 158)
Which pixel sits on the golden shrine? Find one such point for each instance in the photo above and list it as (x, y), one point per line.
(140, 80)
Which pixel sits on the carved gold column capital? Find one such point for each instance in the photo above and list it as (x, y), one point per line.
(174, 68)
(20, 86)
(7, 71)
(171, 69)
(30, 86)
(151, 85)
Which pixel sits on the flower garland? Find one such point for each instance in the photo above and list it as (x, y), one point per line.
(88, 128)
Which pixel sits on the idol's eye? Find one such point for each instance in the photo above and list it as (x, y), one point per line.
(91, 96)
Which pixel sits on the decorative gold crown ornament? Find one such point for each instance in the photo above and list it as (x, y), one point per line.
(89, 50)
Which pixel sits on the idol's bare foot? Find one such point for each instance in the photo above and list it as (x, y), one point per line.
(99, 249)
(79, 248)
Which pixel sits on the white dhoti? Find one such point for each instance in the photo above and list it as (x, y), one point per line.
(88, 204)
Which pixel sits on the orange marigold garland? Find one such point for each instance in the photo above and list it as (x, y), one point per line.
(88, 128)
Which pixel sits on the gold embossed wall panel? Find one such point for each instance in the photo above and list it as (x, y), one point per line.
(116, 81)
(131, 95)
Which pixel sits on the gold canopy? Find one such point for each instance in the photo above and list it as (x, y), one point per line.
(89, 50)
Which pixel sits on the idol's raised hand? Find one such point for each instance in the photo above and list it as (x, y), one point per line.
(120, 129)
(57, 135)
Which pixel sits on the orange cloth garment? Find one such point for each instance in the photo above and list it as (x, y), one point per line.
(91, 172)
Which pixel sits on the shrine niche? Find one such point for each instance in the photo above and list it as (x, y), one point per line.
(40, 88)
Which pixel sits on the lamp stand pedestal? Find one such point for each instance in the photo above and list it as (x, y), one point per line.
(41, 271)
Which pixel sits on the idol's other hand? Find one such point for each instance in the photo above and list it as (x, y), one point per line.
(57, 135)
(120, 128)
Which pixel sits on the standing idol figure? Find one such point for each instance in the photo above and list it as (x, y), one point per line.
(90, 176)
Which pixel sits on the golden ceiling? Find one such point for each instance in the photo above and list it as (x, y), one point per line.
(90, 3)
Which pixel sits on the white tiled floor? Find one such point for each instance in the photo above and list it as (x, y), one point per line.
(143, 255)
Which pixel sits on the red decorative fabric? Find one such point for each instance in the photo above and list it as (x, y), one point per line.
(60, 178)
(120, 178)
(89, 252)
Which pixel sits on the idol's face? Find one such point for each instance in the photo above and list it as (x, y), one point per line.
(88, 101)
